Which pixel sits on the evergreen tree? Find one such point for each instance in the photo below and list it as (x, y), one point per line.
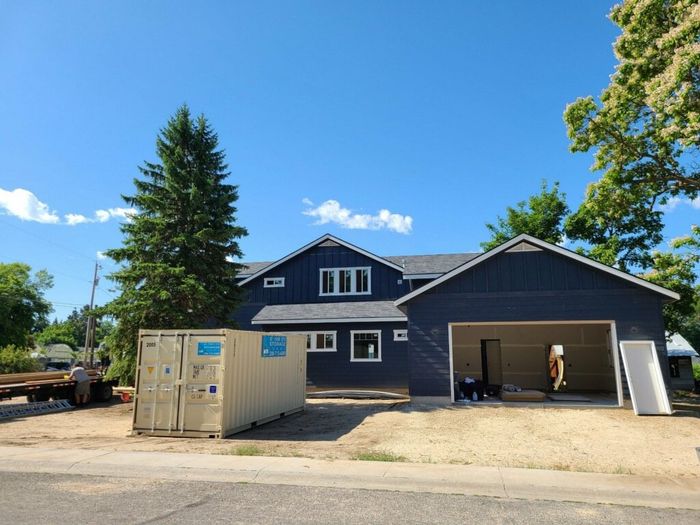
(177, 269)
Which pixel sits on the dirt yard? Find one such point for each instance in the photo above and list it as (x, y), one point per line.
(592, 440)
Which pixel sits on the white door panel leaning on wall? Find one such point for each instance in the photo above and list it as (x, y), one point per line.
(644, 377)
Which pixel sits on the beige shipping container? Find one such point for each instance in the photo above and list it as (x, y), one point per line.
(213, 383)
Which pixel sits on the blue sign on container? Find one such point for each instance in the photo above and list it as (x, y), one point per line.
(208, 348)
(274, 345)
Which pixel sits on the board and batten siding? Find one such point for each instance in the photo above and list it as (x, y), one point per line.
(523, 286)
(335, 370)
(302, 278)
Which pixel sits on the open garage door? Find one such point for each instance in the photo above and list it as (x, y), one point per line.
(518, 353)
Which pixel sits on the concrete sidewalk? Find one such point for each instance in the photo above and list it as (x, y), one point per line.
(659, 492)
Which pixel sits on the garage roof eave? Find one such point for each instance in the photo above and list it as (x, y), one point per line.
(669, 294)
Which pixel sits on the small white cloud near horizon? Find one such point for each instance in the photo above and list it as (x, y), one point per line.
(673, 202)
(71, 219)
(331, 211)
(24, 205)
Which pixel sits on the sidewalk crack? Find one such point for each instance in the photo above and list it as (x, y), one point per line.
(503, 483)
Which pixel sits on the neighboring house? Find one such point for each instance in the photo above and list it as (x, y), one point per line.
(413, 323)
(680, 356)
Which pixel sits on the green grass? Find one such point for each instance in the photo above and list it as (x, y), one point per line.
(621, 470)
(246, 450)
(378, 455)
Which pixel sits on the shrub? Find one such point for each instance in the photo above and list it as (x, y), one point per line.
(15, 359)
(696, 371)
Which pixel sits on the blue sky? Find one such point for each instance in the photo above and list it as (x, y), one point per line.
(440, 113)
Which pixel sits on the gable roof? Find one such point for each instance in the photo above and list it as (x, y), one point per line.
(315, 243)
(545, 245)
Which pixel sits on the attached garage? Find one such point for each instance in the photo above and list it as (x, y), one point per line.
(518, 353)
(496, 317)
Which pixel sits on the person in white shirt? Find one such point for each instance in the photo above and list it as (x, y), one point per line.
(82, 389)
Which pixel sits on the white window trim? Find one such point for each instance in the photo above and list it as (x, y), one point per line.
(352, 346)
(353, 279)
(401, 334)
(313, 340)
(273, 285)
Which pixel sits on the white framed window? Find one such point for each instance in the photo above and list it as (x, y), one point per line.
(320, 341)
(366, 345)
(273, 282)
(401, 335)
(345, 281)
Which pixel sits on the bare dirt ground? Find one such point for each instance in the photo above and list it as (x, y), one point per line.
(591, 440)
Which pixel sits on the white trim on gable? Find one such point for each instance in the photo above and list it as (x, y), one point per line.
(315, 243)
(543, 244)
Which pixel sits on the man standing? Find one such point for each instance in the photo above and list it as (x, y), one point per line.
(82, 389)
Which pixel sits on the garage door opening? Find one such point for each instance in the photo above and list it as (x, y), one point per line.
(573, 362)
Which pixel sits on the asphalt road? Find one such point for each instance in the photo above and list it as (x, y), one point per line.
(56, 499)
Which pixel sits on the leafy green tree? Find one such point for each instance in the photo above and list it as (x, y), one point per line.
(176, 257)
(57, 333)
(14, 359)
(619, 226)
(541, 216)
(646, 127)
(23, 306)
(676, 270)
(78, 320)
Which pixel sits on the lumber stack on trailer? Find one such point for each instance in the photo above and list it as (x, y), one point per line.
(29, 377)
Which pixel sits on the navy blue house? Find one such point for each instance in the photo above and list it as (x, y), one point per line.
(415, 323)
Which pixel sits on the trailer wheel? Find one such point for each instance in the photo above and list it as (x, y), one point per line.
(103, 392)
(30, 398)
(41, 396)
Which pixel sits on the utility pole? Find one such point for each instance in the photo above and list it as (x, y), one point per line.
(91, 324)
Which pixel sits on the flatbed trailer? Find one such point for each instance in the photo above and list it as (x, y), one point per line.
(50, 385)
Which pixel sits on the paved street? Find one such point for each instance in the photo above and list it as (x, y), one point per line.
(62, 498)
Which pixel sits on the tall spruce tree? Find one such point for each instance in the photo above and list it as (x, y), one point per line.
(176, 259)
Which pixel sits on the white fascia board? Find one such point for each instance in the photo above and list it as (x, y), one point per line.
(338, 320)
(542, 244)
(318, 241)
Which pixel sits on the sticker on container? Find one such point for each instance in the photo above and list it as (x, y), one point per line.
(274, 345)
(150, 369)
(207, 373)
(208, 348)
(212, 389)
(167, 370)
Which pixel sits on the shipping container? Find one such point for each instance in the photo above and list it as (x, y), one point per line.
(213, 383)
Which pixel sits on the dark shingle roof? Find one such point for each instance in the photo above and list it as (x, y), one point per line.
(431, 264)
(324, 311)
(413, 264)
(252, 267)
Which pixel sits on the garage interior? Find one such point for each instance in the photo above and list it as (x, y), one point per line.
(519, 354)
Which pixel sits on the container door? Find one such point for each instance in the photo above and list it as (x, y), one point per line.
(202, 384)
(158, 392)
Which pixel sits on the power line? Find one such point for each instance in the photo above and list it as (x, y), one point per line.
(65, 248)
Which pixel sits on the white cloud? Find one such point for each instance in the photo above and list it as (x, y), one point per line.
(23, 204)
(332, 212)
(673, 202)
(75, 218)
(100, 255)
(71, 219)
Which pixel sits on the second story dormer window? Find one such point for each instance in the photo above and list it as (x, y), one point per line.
(345, 281)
